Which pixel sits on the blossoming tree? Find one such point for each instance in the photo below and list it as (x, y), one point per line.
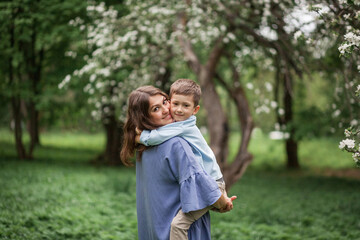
(126, 52)
(134, 49)
(151, 43)
(342, 19)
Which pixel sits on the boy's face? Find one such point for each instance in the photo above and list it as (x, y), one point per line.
(182, 107)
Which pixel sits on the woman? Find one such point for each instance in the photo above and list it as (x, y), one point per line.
(168, 177)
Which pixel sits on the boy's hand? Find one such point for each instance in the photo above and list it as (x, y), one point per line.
(137, 137)
(138, 131)
(228, 207)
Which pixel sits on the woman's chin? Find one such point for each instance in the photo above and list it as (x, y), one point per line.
(168, 120)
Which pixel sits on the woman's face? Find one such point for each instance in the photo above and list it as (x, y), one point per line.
(159, 110)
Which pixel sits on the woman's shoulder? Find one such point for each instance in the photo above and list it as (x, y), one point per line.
(175, 142)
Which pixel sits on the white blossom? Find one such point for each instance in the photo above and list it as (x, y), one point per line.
(354, 122)
(261, 109)
(268, 86)
(297, 34)
(347, 133)
(349, 143)
(336, 113)
(273, 104)
(356, 157)
(342, 145)
(250, 86)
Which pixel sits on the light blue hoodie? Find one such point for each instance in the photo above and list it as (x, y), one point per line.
(190, 132)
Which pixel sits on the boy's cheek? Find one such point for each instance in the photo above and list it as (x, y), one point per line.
(172, 109)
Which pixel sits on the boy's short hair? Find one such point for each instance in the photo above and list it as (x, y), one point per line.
(186, 87)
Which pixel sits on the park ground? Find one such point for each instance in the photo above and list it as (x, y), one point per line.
(60, 194)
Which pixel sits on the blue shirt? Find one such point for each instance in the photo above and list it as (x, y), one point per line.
(168, 178)
(188, 130)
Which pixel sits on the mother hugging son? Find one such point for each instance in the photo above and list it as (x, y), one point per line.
(178, 178)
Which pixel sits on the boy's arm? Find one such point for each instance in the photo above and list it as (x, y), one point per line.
(160, 135)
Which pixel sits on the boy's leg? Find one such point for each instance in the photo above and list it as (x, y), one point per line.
(182, 222)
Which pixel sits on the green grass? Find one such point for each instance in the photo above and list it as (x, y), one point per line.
(313, 154)
(60, 195)
(279, 206)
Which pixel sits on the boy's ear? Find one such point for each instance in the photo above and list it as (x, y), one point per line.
(196, 109)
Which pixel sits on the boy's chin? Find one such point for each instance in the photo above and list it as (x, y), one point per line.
(178, 119)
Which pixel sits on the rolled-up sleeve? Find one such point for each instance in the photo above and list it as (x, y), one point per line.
(197, 192)
(197, 189)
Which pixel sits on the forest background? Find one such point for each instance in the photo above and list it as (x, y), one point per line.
(280, 82)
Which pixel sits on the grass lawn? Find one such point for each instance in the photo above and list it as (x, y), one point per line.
(60, 195)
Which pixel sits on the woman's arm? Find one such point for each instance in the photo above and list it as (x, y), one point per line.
(197, 189)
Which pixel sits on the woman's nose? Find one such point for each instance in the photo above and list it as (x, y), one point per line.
(165, 109)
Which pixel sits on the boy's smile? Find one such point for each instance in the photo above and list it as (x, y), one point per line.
(182, 107)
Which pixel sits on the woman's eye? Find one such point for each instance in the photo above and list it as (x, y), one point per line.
(155, 109)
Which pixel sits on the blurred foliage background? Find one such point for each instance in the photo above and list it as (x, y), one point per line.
(275, 77)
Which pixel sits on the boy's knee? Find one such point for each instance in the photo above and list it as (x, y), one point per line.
(181, 224)
(176, 224)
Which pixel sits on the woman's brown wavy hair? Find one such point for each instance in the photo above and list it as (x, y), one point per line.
(138, 115)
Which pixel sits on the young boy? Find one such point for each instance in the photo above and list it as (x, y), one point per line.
(184, 98)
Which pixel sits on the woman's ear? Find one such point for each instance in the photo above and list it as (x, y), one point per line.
(196, 109)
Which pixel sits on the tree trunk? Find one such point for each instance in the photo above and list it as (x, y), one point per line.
(164, 77)
(33, 127)
(216, 118)
(292, 156)
(114, 136)
(233, 172)
(15, 105)
(291, 143)
(15, 100)
(33, 67)
(16, 112)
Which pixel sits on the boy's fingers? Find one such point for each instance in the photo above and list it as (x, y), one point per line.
(138, 131)
(233, 198)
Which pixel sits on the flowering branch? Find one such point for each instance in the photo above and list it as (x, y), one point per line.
(349, 144)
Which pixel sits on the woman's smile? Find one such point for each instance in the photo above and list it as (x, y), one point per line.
(160, 110)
